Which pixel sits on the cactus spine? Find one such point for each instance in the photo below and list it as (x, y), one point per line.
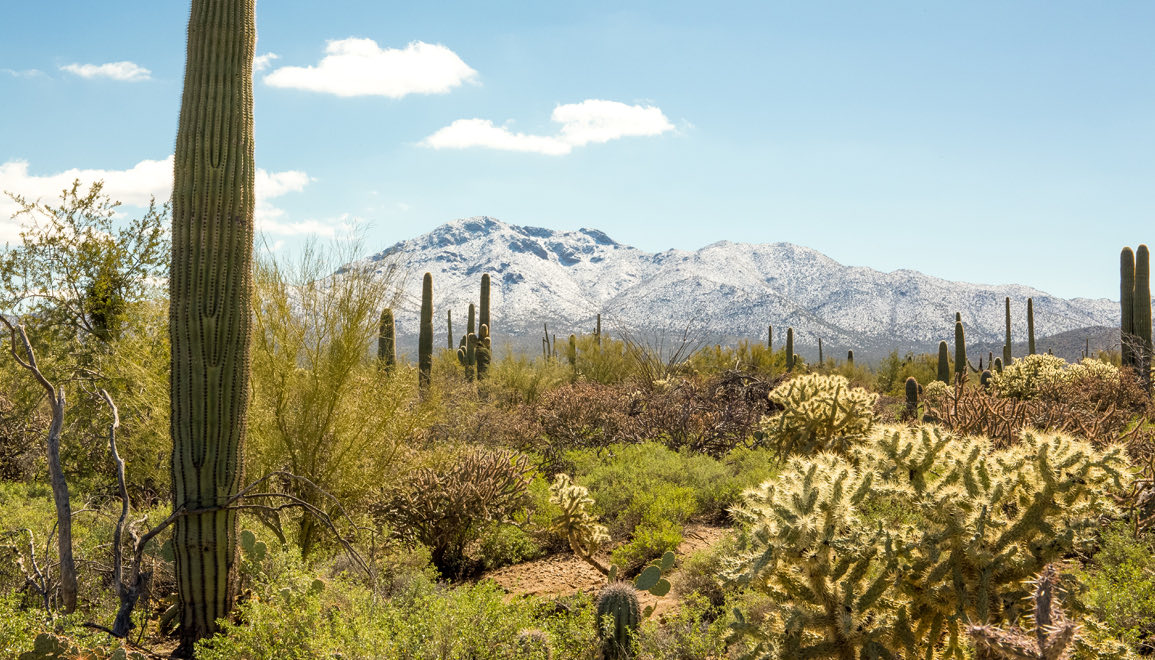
(960, 351)
(618, 619)
(210, 289)
(483, 330)
(387, 341)
(1141, 319)
(1030, 326)
(789, 349)
(1127, 303)
(943, 363)
(1007, 346)
(425, 335)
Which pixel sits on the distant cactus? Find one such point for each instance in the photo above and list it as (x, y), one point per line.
(387, 342)
(449, 327)
(598, 331)
(960, 351)
(911, 397)
(425, 335)
(770, 337)
(985, 379)
(483, 353)
(943, 362)
(618, 616)
(820, 350)
(998, 365)
(850, 357)
(483, 310)
(471, 326)
(789, 349)
(1030, 326)
(1141, 314)
(467, 355)
(1007, 346)
(1127, 303)
(571, 353)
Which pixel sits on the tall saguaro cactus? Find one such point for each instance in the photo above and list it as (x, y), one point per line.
(210, 287)
(789, 349)
(425, 334)
(449, 326)
(483, 329)
(960, 351)
(1127, 303)
(770, 337)
(1007, 346)
(387, 341)
(943, 362)
(1141, 314)
(1030, 326)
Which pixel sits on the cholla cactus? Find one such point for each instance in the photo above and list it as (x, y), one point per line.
(1025, 377)
(936, 389)
(821, 413)
(582, 530)
(1054, 636)
(893, 552)
(1090, 368)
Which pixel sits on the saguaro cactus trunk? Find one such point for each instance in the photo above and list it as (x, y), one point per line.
(210, 288)
(425, 334)
(387, 341)
(1141, 314)
(1127, 303)
(1030, 326)
(1007, 346)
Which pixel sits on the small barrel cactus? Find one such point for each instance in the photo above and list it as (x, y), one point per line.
(911, 396)
(618, 618)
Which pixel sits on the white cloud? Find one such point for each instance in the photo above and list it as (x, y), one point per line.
(134, 187)
(262, 62)
(359, 67)
(592, 120)
(123, 71)
(24, 73)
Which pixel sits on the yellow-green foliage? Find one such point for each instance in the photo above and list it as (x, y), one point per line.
(936, 389)
(822, 413)
(1091, 368)
(745, 356)
(918, 533)
(1024, 377)
(605, 361)
(581, 529)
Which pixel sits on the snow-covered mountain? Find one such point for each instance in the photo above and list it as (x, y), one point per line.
(724, 291)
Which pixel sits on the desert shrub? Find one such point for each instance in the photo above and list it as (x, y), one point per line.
(293, 614)
(892, 371)
(916, 534)
(1026, 376)
(587, 415)
(1121, 586)
(744, 356)
(445, 507)
(605, 362)
(519, 379)
(694, 631)
(20, 436)
(646, 492)
(714, 415)
(503, 544)
(819, 413)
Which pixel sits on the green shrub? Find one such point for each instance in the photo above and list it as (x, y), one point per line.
(820, 413)
(504, 544)
(1121, 585)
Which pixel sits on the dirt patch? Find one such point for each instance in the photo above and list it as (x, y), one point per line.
(564, 574)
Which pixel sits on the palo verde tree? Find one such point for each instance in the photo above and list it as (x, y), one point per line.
(209, 290)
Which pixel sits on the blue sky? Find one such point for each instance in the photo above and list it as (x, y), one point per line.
(982, 141)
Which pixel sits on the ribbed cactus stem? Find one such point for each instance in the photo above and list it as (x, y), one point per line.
(1127, 303)
(571, 352)
(770, 337)
(387, 341)
(943, 362)
(960, 351)
(471, 325)
(1141, 320)
(1030, 326)
(483, 352)
(449, 327)
(789, 349)
(483, 311)
(598, 330)
(850, 357)
(425, 334)
(1007, 345)
(911, 396)
(618, 616)
(998, 365)
(820, 350)
(210, 292)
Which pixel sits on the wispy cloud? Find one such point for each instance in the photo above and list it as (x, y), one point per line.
(264, 61)
(136, 185)
(123, 71)
(590, 121)
(23, 73)
(359, 67)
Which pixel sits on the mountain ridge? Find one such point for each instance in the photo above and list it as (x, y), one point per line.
(724, 291)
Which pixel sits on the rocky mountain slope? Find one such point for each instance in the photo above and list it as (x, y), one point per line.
(722, 291)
